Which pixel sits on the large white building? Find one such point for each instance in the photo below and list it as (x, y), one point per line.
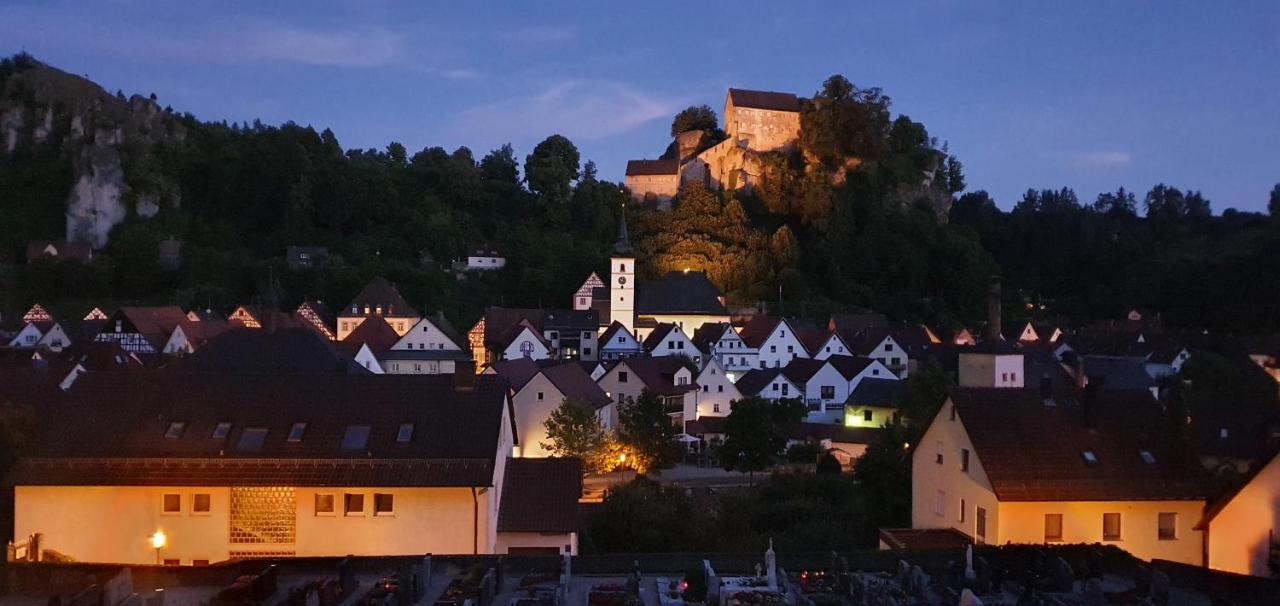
(220, 465)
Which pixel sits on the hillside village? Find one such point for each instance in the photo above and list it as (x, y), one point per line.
(1051, 434)
(375, 426)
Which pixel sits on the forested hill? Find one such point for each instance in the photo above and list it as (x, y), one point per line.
(861, 216)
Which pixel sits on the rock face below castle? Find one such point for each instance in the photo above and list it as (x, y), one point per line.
(755, 122)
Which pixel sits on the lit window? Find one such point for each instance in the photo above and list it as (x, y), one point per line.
(171, 503)
(295, 432)
(1147, 457)
(383, 504)
(252, 438)
(353, 504)
(1222, 433)
(1167, 529)
(200, 503)
(324, 504)
(405, 433)
(1111, 527)
(356, 437)
(1052, 527)
(175, 430)
(221, 430)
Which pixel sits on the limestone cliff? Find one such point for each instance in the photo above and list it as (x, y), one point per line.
(111, 144)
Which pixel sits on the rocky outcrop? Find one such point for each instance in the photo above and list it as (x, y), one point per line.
(102, 136)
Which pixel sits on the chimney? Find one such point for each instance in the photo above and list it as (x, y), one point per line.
(464, 375)
(993, 313)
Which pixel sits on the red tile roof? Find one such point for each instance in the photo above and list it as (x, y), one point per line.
(374, 332)
(1033, 452)
(541, 495)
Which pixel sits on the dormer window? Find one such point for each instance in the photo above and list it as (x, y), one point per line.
(1089, 457)
(1147, 457)
(405, 433)
(175, 430)
(295, 432)
(1222, 433)
(221, 430)
(356, 437)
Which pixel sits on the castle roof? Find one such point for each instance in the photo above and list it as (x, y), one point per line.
(760, 99)
(652, 167)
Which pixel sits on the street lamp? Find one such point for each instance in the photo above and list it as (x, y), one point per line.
(158, 540)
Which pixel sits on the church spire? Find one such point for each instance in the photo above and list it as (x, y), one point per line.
(623, 245)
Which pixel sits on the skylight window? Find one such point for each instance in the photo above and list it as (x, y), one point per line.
(252, 438)
(175, 430)
(221, 430)
(295, 432)
(405, 433)
(1089, 457)
(1147, 457)
(356, 437)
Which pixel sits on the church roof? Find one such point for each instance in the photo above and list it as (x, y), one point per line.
(678, 292)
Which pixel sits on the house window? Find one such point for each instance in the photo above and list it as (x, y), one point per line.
(940, 503)
(938, 457)
(171, 503)
(252, 438)
(175, 430)
(875, 372)
(622, 377)
(866, 415)
(964, 460)
(773, 349)
(540, 396)
(888, 346)
(404, 433)
(1111, 527)
(1167, 526)
(221, 430)
(784, 389)
(1053, 528)
(353, 504)
(200, 503)
(295, 432)
(790, 349)
(715, 407)
(706, 389)
(963, 508)
(1004, 377)
(1089, 457)
(1147, 457)
(982, 524)
(719, 388)
(586, 351)
(383, 504)
(828, 392)
(1013, 376)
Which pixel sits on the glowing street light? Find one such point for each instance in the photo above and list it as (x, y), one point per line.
(158, 540)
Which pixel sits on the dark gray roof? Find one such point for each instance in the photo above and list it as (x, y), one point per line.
(652, 167)
(760, 99)
(380, 292)
(541, 495)
(876, 392)
(571, 320)
(282, 351)
(1118, 373)
(755, 380)
(680, 292)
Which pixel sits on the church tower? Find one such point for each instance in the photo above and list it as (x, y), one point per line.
(622, 279)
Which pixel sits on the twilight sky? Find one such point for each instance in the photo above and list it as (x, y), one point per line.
(1090, 95)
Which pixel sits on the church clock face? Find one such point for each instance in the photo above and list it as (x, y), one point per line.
(622, 280)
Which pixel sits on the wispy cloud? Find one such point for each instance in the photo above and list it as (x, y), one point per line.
(578, 109)
(1101, 159)
(360, 48)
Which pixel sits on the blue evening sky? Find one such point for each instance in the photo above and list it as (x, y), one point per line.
(1090, 95)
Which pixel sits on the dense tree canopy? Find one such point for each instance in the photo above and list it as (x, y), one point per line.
(695, 117)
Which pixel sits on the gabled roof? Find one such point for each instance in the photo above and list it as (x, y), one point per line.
(1033, 452)
(374, 332)
(850, 366)
(541, 495)
(518, 372)
(502, 324)
(873, 391)
(58, 249)
(866, 342)
(754, 381)
(680, 292)
(583, 320)
(380, 292)
(318, 316)
(658, 374)
(757, 329)
(199, 333)
(854, 323)
(800, 370)
(710, 333)
(574, 382)
(155, 324)
(272, 352)
(652, 167)
(814, 339)
(1240, 484)
(607, 339)
(1117, 373)
(759, 99)
(658, 335)
(454, 441)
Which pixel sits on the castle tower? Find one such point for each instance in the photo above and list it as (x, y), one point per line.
(622, 279)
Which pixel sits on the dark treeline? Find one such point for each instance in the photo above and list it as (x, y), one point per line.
(863, 214)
